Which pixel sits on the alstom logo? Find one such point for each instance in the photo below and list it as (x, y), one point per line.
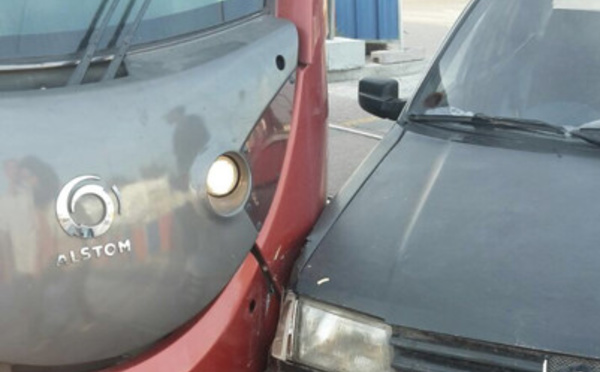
(95, 200)
(98, 251)
(76, 190)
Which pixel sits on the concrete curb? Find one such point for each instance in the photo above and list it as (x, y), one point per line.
(396, 70)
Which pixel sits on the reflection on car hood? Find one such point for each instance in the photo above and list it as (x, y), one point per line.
(488, 243)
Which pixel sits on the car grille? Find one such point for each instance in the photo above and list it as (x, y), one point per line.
(416, 351)
(569, 364)
(423, 352)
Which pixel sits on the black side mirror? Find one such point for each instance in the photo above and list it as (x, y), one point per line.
(380, 97)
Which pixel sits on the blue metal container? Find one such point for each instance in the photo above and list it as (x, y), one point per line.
(367, 19)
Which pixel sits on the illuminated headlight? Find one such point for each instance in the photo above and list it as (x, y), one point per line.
(223, 177)
(332, 339)
(228, 184)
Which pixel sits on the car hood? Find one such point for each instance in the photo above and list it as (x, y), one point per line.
(495, 244)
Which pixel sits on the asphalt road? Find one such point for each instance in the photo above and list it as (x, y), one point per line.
(427, 22)
(353, 133)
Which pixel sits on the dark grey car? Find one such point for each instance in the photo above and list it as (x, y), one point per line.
(468, 241)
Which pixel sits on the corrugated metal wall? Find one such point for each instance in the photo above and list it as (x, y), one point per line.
(367, 19)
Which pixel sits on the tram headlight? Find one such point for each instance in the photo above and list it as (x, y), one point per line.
(228, 184)
(223, 177)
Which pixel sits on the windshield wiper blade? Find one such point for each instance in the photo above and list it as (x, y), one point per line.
(85, 41)
(121, 26)
(492, 122)
(124, 43)
(83, 66)
(588, 137)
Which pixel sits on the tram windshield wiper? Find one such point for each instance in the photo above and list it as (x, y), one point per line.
(122, 45)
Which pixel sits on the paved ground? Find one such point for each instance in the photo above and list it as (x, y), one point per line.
(426, 22)
(353, 133)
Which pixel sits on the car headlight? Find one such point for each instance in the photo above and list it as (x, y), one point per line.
(331, 339)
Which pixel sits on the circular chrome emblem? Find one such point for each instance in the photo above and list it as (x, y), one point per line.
(72, 193)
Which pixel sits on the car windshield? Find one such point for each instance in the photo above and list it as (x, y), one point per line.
(525, 59)
(32, 29)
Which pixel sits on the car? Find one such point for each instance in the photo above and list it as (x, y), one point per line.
(467, 240)
(154, 187)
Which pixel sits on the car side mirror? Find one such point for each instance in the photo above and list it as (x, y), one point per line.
(380, 97)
